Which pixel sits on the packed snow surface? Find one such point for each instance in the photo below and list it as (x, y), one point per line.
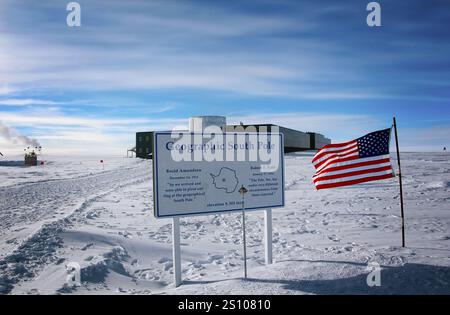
(101, 217)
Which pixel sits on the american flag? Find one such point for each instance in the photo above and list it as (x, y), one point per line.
(358, 161)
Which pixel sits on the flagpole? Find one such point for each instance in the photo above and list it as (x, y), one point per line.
(401, 183)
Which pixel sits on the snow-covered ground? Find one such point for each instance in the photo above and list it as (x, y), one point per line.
(74, 210)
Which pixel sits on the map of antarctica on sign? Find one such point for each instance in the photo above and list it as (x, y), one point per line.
(199, 187)
(226, 180)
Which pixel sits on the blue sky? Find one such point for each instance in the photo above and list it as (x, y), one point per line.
(149, 65)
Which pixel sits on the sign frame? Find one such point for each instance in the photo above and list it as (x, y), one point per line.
(192, 214)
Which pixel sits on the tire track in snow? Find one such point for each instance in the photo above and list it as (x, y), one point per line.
(38, 249)
(25, 209)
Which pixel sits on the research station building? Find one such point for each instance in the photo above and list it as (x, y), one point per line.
(294, 140)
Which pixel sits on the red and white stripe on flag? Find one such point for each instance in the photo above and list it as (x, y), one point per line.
(358, 161)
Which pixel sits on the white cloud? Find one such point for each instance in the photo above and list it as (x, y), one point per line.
(6, 90)
(433, 138)
(25, 102)
(160, 45)
(60, 133)
(43, 118)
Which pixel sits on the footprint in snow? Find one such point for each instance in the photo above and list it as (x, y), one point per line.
(334, 238)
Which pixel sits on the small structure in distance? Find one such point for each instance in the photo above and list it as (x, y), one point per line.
(31, 156)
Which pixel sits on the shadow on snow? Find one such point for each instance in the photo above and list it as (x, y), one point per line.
(409, 279)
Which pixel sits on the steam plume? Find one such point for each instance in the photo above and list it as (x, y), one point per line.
(14, 137)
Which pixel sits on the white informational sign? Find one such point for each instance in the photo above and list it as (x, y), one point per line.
(195, 175)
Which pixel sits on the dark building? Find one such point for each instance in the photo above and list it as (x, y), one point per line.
(294, 140)
(31, 159)
(144, 143)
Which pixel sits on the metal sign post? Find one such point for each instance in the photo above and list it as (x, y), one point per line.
(176, 247)
(243, 191)
(268, 236)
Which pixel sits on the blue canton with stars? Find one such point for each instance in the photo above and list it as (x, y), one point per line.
(374, 144)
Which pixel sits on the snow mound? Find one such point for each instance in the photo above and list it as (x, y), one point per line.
(438, 185)
(98, 269)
